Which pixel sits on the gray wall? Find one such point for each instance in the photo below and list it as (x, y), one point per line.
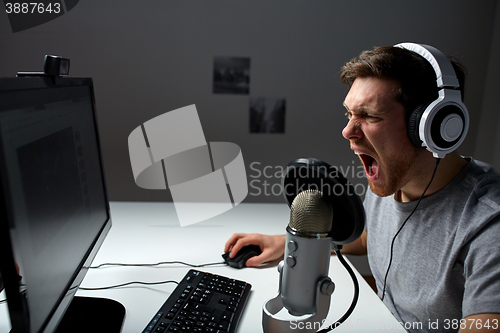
(150, 57)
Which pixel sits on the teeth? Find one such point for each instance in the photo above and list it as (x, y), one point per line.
(358, 153)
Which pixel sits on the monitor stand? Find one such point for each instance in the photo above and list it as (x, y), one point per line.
(89, 314)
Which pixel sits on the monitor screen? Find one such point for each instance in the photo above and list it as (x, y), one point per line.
(55, 209)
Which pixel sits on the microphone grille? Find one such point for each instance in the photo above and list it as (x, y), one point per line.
(311, 212)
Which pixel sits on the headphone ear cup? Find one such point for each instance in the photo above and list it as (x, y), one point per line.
(414, 123)
(448, 126)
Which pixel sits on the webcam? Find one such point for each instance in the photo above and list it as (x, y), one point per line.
(53, 66)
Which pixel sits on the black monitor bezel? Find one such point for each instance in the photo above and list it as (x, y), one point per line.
(18, 309)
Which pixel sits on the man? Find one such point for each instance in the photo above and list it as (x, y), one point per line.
(435, 261)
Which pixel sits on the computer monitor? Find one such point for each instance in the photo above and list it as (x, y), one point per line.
(54, 210)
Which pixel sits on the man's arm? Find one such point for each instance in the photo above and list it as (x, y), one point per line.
(273, 246)
(485, 322)
(358, 247)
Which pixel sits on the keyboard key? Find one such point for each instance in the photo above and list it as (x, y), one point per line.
(227, 316)
(224, 325)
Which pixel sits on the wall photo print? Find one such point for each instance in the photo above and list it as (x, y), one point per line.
(267, 115)
(231, 75)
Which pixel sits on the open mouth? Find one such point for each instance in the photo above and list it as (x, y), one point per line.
(370, 164)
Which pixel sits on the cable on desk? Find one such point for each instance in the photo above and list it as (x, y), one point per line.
(129, 283)
(118, 285)
(158, 264)
(354, 298)
(145, 265)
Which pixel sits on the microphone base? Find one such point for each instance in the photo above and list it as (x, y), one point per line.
(272, 324)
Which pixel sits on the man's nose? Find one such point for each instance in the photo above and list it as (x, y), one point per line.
(352, 130)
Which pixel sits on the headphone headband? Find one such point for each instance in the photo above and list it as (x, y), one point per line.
(445, 74)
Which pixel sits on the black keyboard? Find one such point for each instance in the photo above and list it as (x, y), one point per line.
(202, 302)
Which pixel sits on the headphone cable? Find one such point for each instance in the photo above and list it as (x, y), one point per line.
(404, 223)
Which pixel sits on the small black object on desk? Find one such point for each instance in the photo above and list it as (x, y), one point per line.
(245, 253)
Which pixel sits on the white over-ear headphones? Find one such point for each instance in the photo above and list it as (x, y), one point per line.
(440, 126)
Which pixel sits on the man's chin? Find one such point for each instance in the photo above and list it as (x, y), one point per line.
(381, 191)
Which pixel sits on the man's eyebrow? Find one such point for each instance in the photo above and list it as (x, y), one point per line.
(346, 107)
(362, 109)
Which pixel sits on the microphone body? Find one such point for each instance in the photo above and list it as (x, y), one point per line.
(307, 261)
(307, 251)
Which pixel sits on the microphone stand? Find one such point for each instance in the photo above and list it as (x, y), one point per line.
(272, 324)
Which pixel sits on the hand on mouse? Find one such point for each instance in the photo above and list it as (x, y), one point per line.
(272, 247)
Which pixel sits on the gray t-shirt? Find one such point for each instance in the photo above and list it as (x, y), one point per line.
(446, 263)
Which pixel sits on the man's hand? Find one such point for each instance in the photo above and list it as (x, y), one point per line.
(272, 247)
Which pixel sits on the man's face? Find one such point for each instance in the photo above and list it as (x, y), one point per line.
(377, 133)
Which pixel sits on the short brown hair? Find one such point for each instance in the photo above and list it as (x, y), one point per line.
(415, 75)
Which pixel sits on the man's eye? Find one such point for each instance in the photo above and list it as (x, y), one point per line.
(364, 116)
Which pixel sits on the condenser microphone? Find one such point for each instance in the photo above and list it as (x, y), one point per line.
(317, 194)
(307, 252)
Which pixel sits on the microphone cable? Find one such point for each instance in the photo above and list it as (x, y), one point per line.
(354, 298)
(404, 223)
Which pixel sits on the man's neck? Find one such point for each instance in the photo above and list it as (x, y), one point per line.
(448, 168)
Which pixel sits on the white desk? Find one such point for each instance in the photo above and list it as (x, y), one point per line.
(150, 233)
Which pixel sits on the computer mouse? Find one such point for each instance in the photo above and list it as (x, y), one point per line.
(245, 253)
